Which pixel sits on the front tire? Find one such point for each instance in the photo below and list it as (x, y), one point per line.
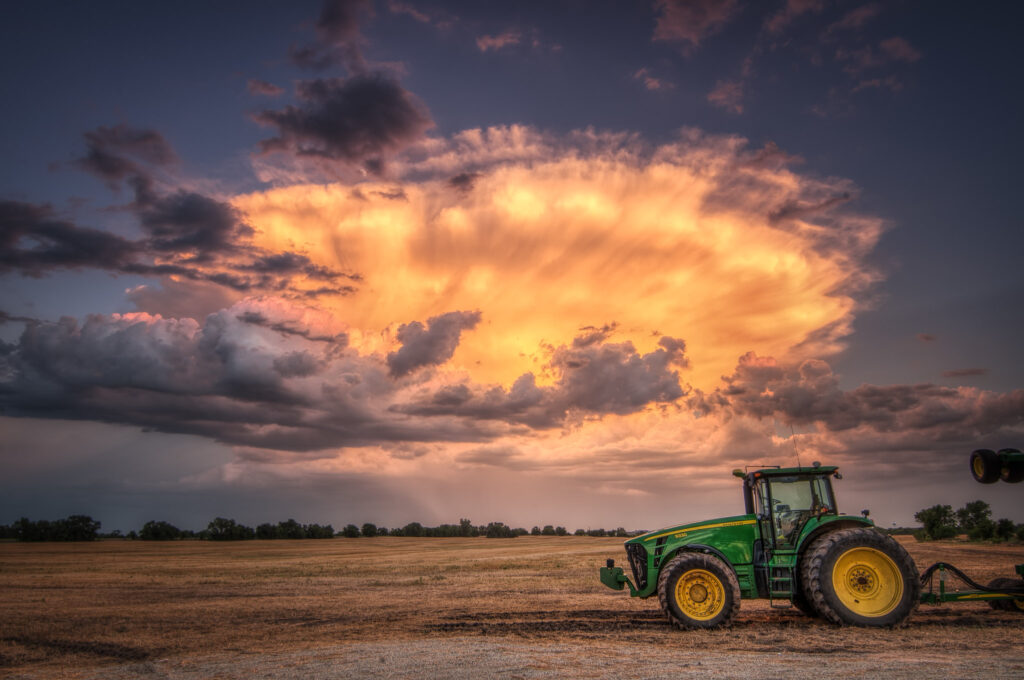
(861, 577)
(698, 591)
(986, 466)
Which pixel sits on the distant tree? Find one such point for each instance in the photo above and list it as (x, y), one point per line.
(350, 531)
(72, 528)
(1005, 528)
(621, 533)
(412, 529)
(318, 531)
(369, 530)
(79, 528)
(1020, 532)
(382, 531)
(466, 528)
(535, 531)
(548, 530)
(939, 522)
(159, 531)
(267, 531)
(520, 531)
(221, 529)
(132, 536)
(560, 531)
(290, 529)
(579, 532)
(499, 530)
(975, 519)
(597, 532)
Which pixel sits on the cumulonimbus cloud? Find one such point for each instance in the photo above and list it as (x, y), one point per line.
(702, 239)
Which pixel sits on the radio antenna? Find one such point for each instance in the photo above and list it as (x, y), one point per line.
(796, 450)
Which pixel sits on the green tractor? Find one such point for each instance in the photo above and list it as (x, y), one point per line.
(794, 548)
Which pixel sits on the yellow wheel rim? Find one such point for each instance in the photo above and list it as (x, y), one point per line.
(867, 581)
(700, 594)
(979, 466)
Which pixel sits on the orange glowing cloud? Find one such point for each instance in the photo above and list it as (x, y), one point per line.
(702, 239)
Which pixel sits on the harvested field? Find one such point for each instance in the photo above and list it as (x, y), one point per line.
(407, 607)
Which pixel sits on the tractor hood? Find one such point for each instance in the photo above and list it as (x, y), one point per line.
(686, 530)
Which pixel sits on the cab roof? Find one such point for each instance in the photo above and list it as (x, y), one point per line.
(785, 472)
(788, 472)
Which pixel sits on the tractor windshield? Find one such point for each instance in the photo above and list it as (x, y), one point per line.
(794, 500)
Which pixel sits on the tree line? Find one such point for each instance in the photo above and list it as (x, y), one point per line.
(84, 528)
(973, 519)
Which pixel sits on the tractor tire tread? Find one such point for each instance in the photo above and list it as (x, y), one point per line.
(686, 561)
(1001, 605)
(811, 569)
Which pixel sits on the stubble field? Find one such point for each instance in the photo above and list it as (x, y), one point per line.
(406, 608)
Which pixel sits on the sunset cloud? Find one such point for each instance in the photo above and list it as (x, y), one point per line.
(496, 42)
(724, 248)
(690, 21)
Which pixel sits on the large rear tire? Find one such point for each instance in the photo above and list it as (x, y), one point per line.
(1016, 605)
(698, 591)
(805, 605)
(861, 577)
(986, 466)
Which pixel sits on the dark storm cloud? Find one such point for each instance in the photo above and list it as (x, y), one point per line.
(464, 181)
(290, 328)
(33, 241)
(112, 152)
(692, 20)
(338, 38)
(810, 394)
(594, 378)
(432, 344)
(253, 375)
(184, 233)
(615, 378)
(359, 120)
(5, 318)
(191, 223)
(197, 230)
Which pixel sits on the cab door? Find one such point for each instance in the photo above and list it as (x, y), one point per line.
(764, 545)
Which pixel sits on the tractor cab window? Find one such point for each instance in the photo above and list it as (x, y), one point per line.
(794, 500)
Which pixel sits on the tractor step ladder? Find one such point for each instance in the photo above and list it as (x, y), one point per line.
(780, 585)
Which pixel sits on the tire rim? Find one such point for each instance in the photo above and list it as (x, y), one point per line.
(700, 594)
(867, 581)
(979, 466)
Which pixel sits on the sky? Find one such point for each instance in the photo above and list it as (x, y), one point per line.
(559, 262)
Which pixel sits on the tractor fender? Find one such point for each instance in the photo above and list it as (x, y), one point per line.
(829, 527)
(695, 548)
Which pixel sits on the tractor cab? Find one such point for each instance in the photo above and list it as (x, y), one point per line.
(786, 499)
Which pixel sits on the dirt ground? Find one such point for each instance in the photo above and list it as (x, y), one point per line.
(530, 607)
